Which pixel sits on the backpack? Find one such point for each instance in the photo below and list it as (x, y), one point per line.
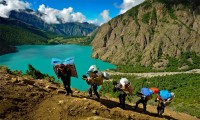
(129, 90)
(98, 80)
(106, 76)
(155, 90)
(165, 94)
(146, 91)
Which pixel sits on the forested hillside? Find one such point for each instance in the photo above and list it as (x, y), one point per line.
(13, 32)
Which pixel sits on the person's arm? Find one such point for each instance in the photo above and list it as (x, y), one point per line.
(117, 87)
(87, 81)
(139, 94)
(58, 73)
(56, 70)
(168, 100)
(158, 98)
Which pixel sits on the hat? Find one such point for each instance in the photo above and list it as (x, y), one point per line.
(124, 81)
(172, 94)
(92, 68)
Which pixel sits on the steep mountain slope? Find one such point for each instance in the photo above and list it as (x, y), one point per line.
(68, 29)
(150, 33)
(23, 97)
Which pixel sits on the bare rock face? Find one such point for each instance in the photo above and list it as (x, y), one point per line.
(149, 32)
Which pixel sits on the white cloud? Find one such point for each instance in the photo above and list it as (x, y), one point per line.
(78, 17)
(95, 21)
(49, 15)
(105, 15)
(128, 4)
(52, 15)
(12, 5)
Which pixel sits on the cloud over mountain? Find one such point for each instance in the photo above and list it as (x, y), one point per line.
(54, 16)
(8, 5)
(50, 15)
(128, 4)
(105, 15)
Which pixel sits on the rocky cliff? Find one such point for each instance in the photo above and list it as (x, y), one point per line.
(150, 33)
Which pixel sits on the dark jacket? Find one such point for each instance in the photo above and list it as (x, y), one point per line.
(64, 74)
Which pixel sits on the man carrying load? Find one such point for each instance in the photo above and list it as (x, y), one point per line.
(93, 79)
(145, 95)
(92, 87)
(124, 88)
(65, 69)
(164, 99)
(64, 72)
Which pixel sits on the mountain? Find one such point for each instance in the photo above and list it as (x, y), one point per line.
(67, 29)
(14, 32)
(26, 27)
(150, 34)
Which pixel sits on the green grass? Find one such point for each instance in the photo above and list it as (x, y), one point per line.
(173, 65)
(185, 86)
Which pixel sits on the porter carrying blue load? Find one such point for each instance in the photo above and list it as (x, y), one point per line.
(68, 62)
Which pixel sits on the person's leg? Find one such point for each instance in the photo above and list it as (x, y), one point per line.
(90, 91)
(158, 108)
(119, 96)
(65, 84)
(138, 102)
(68, 86)
(163, 107)
(95, 90)
(144, 105)
(123, 99)
(120, 99)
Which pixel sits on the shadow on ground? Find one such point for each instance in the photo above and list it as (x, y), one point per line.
(112, 104)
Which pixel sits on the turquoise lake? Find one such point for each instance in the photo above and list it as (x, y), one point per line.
(39, 56)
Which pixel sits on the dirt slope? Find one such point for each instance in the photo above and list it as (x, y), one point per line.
(23, 98)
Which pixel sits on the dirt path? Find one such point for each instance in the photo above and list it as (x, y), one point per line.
(24, 98)
(148, 75)
(79, 107)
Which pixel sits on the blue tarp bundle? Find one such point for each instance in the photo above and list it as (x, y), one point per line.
(146, 91)
(69, 61)
(165, 94)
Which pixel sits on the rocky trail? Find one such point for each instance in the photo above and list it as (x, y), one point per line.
(25, 98)
(152, 74)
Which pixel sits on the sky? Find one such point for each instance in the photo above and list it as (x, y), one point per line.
(92, 11)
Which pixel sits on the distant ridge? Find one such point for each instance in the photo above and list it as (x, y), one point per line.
(68, 29)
